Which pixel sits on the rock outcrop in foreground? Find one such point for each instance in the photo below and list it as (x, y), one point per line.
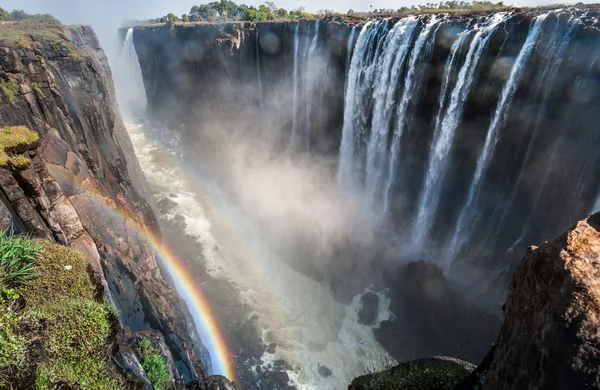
(550, 337)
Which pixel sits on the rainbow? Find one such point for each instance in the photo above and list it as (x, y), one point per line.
(198, 306)
(187, 288)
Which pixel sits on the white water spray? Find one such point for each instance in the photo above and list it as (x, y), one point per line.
(445, 128)
(508, 92)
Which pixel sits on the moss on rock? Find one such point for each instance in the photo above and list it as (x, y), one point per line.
(13, 141)
(426, 374)
(60, 312)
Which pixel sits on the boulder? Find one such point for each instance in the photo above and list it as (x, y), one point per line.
(550, 336)
(369, 309)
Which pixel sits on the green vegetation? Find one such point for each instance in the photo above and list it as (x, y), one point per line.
(227, 10)
(421, 376)
(153, 364)
(12, 139)
(17, 263)
(20, 15)
(55, 308)
(37, 89)
(445, 7)
(10, 90)
(156, 370)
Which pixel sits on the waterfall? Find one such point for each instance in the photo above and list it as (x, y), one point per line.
(445, 128)
(295, 98)
(310, 70)
(395, 50)
(348, 145)
(555, 54)
(349, 49)
(259, 78)
(404, 108)
(492, 136)
(130, 89)
(596, 207)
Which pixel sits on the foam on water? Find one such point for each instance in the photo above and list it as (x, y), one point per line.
(308, 325)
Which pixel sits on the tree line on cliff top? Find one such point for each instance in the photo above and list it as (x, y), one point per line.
(20, 15)
(227, 10)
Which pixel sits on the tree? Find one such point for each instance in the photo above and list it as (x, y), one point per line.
(172, 18)
(272, 6)
(185, 18)
(4, 15)
(163, 19)
(268, 15)
(350, 12)
(282, 13)
(19, 14)
(202, 12)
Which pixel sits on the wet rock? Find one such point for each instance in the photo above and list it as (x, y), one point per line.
(271, 348)
(166, 205)
(550, 336)
(324, 371)
(437, 372)
(213, 382)
(368, 312)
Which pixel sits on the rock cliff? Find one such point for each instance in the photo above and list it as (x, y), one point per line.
(83, 186)
(550, 336)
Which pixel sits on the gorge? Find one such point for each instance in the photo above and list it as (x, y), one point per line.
(292, 204)
(345, 150)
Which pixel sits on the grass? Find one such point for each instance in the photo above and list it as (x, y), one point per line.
(57, 307)
(153, 364)
(18, 256)
(10, 90)
(34, 36)
(37, 89)
(14, 138)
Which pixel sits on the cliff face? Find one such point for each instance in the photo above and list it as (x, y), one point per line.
(84, 186)
(242, 77)
(550, 336)
(514, 92)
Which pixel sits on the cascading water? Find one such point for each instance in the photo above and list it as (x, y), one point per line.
(406, 104)
(447, 122)
(445, 128)
(259, 77)
(446, 202)
(555, 55)
(309, 327)
(395, 49)
(129, 82)
(492, 136)
(295, 82)
(309, 82)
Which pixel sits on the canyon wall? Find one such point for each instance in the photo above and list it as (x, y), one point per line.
(83, 186)
(519, 143)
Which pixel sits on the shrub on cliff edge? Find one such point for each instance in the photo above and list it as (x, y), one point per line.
(153, 364)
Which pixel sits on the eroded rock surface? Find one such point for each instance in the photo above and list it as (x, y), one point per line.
(83, 186)
(550, 337)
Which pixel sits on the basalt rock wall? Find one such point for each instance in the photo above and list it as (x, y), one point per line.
(84, 186)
